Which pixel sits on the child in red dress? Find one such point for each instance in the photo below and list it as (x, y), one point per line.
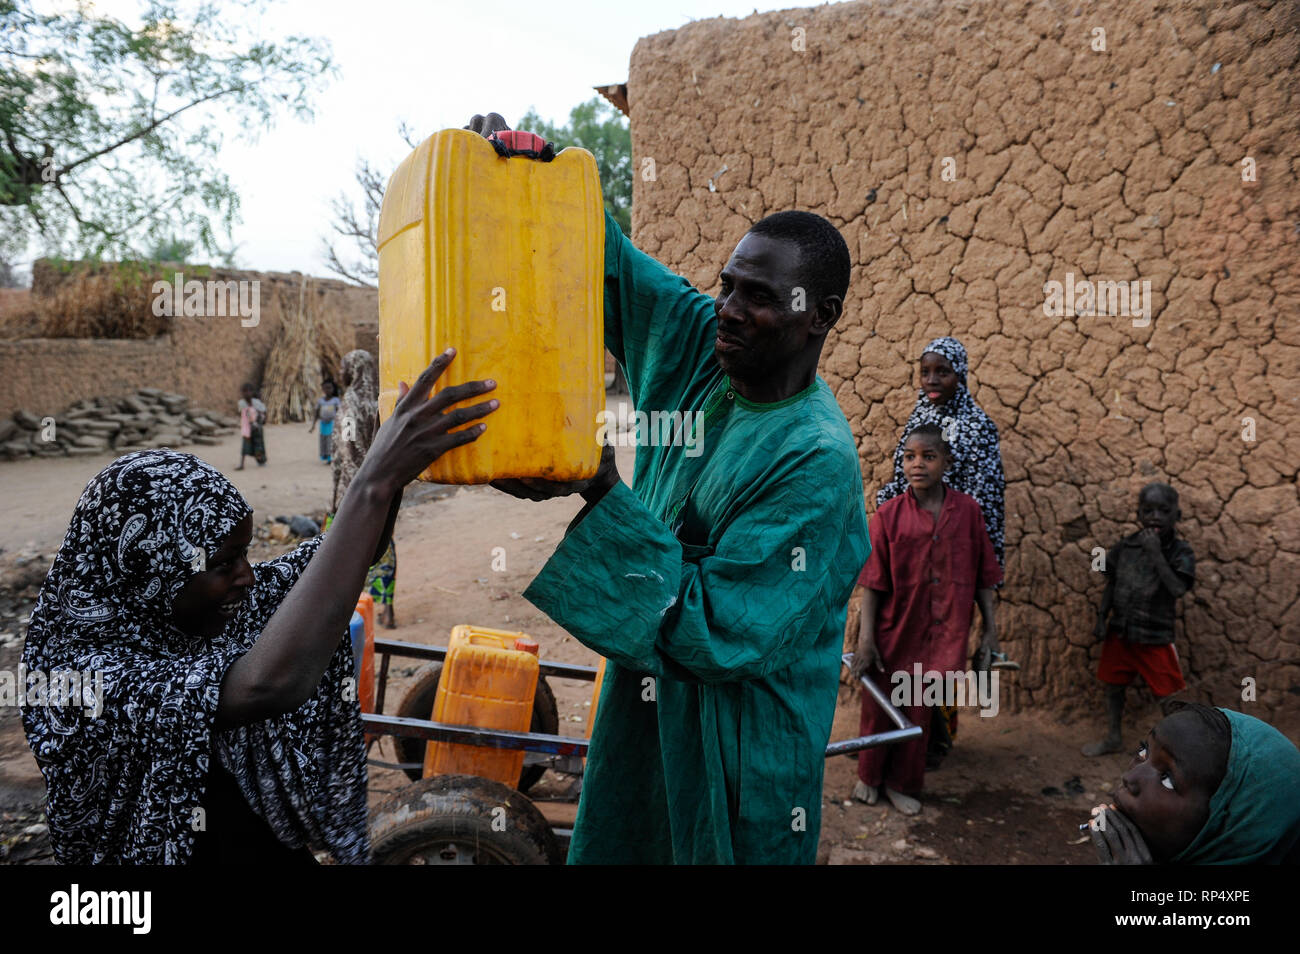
(931, 561)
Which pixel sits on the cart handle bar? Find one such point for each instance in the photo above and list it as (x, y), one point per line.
(563, 745)
(395, 647)
(905, 732)
(472, 735)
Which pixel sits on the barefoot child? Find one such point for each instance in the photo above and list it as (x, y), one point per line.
(1146, 573)
(931, 561)
(1207, 787)
(252, 417)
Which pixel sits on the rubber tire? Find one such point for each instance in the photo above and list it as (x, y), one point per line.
(434, 814)
(418, 704)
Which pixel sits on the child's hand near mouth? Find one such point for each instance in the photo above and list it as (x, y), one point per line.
(1117, 840)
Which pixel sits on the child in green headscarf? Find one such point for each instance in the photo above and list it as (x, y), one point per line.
(1208, 786)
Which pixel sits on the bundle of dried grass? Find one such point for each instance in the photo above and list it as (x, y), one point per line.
(311, 341)
(108, 301)
(17, 314)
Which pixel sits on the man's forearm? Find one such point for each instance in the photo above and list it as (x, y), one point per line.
(593, 494)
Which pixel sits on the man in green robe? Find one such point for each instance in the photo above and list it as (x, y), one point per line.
(717, 587)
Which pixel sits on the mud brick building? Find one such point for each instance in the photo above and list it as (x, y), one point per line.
(971, 151)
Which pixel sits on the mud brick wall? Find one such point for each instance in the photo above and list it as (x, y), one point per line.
(204, 358)
(1122, 163)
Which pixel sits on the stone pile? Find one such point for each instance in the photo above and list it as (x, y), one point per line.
(148, 418)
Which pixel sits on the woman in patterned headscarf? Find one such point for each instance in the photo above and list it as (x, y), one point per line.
(976, 467)
(358, 421)
(223, 724)
(977, 456)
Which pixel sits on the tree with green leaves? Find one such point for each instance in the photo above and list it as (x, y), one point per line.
(603, 131)
(170, 249)
(110, 131)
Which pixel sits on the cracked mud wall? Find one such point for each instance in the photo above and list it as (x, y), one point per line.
(1117, 164)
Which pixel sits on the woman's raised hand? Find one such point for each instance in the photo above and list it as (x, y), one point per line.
(421, 428)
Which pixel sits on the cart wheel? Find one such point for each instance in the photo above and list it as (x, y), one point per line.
(418, 704)
(461, 820)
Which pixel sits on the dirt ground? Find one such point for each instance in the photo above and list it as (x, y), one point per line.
(1006, 794)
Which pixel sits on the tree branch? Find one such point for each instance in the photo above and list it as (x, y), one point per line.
(146, 130)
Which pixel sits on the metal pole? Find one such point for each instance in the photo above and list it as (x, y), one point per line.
(905, 732)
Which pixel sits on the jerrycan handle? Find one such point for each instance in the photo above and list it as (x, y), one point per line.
(516, 142)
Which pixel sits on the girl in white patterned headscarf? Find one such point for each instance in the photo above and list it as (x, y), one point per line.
(976, 454)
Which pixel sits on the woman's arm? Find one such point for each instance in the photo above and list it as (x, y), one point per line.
(386, 536)
(285, 664)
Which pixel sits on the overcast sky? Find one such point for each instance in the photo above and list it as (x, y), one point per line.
(432, 64)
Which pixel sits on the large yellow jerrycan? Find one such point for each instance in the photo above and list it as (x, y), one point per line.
(502, 258)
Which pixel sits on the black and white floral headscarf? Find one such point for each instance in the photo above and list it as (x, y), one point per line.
(124, 776)
(976, 455)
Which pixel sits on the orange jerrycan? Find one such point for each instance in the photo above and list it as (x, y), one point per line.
(502, 258)
(488, 680)
(366, 670)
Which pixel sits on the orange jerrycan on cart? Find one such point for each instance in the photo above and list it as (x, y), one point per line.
(366, 663)
(500, 256)
(488, 680)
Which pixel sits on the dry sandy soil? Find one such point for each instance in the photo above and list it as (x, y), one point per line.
(987, 804)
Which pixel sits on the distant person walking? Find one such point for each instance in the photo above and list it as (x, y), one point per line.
(327, 409)
(252, 419)
(358, 420)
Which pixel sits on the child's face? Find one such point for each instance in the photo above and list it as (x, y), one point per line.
(938, 379)
(1167, 789)
(923, 462)
(246, 392)
(329, 389)
(1157, 511)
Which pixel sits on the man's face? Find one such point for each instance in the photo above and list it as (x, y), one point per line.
(764, 309)
(1167, 789)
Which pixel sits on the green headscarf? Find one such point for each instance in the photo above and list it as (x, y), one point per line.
(1255, 814)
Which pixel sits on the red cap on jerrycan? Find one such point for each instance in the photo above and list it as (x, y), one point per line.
(525, 645)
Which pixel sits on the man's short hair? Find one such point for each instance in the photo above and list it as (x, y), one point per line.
(823, 253)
